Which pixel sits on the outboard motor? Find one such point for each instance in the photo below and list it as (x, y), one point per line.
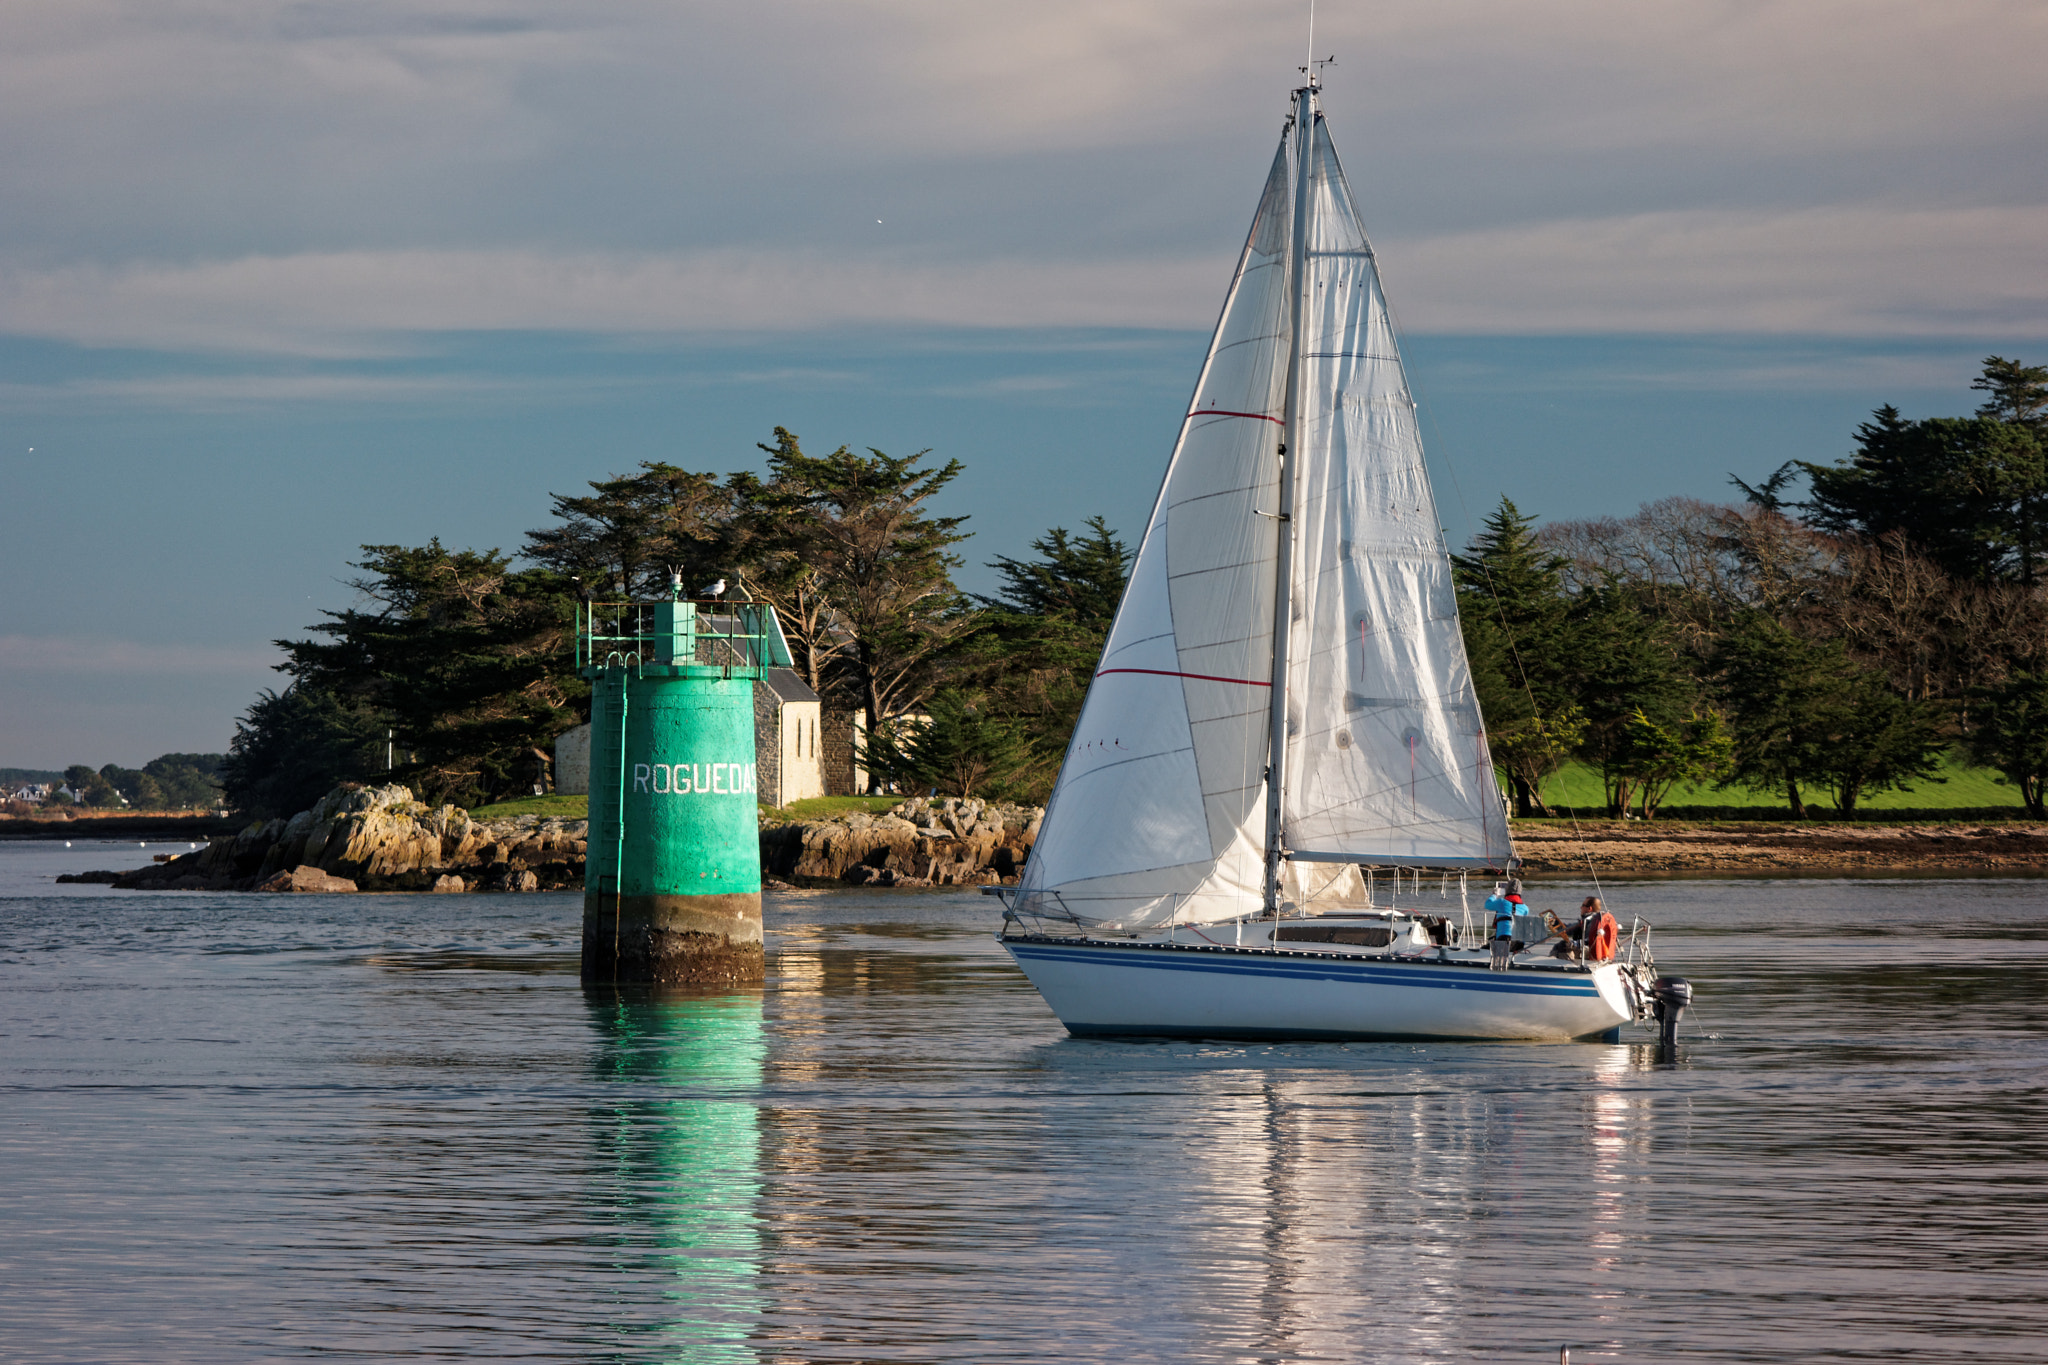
(1669, 998)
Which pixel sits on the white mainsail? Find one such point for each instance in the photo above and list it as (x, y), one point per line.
(1387, 758)
(1160, 809)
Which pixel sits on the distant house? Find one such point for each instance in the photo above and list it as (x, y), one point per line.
(789, 740)
(34, 792)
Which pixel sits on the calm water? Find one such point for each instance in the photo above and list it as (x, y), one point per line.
(396, 1128)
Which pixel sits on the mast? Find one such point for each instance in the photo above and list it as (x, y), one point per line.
(1283, 584)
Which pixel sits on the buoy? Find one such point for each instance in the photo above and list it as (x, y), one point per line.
(673, 787)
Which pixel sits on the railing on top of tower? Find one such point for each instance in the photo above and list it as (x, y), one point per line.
(738, 637)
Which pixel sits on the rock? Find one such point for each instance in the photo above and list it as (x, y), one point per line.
(383, 831)
(90, 878)
(307, 878)
(449, 882)
(382, 839)
(920, 842)
(522, 880)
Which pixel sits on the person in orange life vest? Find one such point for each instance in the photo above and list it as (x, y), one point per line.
(1592, 938)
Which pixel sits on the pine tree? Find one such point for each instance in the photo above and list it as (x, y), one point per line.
(631, 532)
(1971, 492)
(1516, 617)
(856, 533)
(1043, 634)
(471, 661)
(293, 747)
(2018, 393)
(2009, 731)
(1804, 714)
(958, 748)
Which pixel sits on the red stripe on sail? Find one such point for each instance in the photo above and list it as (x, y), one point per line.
(1218, 412)
(1198, 677)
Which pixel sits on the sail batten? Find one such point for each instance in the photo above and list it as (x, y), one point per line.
(1364, 701)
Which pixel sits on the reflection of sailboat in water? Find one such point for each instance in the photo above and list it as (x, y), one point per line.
(1366, 1208)
(1284, 699)
(678, 1170)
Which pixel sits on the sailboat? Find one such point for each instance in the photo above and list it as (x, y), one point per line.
(1280, 774)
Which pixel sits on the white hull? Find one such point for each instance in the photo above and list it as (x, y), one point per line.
(1100, 987)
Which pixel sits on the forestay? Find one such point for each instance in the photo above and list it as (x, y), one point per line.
(1159, 811)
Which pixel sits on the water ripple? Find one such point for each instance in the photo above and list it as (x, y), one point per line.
(397, 1128)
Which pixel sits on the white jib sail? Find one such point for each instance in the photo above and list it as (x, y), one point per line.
(1159, 810)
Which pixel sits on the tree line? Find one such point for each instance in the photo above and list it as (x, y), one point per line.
(167, 782)
(454, 670)
(1838, 645)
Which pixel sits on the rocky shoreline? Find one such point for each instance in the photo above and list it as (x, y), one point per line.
(385, 839)
(374, 839)
(1606, 848)
(944, 842)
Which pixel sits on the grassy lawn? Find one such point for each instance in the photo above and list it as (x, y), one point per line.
(559, 807)
(1578, 787)
(825, 807)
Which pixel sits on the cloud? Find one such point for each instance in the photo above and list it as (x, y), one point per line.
(1863, 270)
(326, 180)
(206, 130)
(221, 392)
(1746, 365)
(333, 303)
(1867, 271)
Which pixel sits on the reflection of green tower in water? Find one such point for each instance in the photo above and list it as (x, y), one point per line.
(678, 1171)
(672, 884)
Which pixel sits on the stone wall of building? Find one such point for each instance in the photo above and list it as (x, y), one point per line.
(572, 762)
(837, 753)
(768, 745)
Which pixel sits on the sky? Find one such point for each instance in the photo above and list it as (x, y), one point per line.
(278, 280)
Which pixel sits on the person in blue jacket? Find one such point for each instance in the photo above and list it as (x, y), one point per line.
(1501, 905)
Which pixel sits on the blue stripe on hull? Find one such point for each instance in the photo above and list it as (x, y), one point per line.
(1416, 975)
(1288, 1035)
(1131, 990)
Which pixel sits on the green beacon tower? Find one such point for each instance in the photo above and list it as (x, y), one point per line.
(672, 877)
